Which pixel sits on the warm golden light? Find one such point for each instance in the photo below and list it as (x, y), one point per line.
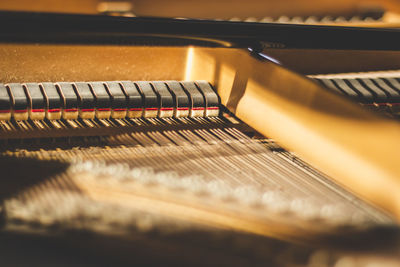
(189, 63)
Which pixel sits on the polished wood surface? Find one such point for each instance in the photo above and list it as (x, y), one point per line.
(354, 146)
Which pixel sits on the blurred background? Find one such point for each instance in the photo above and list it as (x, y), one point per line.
(209, 9)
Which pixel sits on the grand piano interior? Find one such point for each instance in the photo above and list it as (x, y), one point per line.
(177, 148)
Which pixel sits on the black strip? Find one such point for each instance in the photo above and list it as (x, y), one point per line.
(5, 100)
(103, 99)
(394, 84)
(53, 97)
(37, 99)
(118, 98)
(196, 96)
(68, 94)
(135, 99)
(212, 99)
(379, 94)
(166, 98)
(182, 100)
(17, 91)
(86, 97)
(329, 83)
(394, 94)
(365, 96)
(340, 83)
(150, 97)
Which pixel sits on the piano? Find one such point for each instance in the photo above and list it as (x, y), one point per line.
(138, 140)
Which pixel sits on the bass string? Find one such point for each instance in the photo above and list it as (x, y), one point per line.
(216, 154)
